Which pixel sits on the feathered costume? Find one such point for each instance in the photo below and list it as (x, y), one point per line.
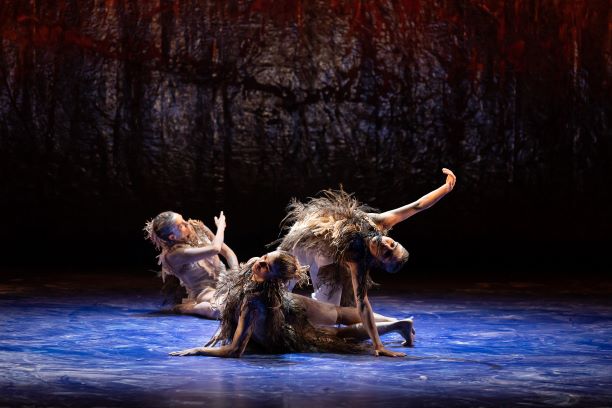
(286, 328)
(337, 226)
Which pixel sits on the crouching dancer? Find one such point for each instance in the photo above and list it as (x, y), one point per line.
(190, 252)
(343, 240)
(259, 315)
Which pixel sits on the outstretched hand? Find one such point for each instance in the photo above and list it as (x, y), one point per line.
(220, 221)
(388, 353)
(189, 352)
(450, 179)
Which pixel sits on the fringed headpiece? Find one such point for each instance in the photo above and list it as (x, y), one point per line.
(150, 234)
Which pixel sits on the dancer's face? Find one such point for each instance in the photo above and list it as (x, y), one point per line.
(390, 253)
(264, 267)
(182, 229)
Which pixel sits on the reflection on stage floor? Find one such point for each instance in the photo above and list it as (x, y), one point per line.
(97, 340)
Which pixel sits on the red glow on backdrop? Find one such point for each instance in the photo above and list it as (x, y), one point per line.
(371, 93)
(522, 28)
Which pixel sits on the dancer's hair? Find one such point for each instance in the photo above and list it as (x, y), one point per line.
(159, 229)
(287, 267)
(239, 290)
(330, 223)
(335, 224)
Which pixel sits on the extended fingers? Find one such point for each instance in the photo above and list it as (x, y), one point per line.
(188, 352)
(220, 218)
(448, 172)
(451, 179)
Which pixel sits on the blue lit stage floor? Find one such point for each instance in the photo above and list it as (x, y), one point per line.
(83, 341)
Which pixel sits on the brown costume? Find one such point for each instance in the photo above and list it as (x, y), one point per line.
(336, 226)
(286, 328)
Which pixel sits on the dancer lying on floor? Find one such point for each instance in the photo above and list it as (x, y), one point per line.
(342, 240)
(189, 251)
(261, 316)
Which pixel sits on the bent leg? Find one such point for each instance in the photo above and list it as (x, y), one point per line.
(383, 318)
(317, 313)
(403, 327)
(204, 309)
(207, 309)
(350, 315)
(327, 314)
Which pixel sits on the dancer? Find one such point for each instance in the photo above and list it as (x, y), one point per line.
(261, 314)
(342, 240)
(189, 251)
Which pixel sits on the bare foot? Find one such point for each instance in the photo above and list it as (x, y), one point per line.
(406, 329)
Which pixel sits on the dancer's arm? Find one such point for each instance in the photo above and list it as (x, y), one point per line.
(389, 218)
(365, 311)
(188, 255)
(226, 252)
(230, 257)
(242, 335)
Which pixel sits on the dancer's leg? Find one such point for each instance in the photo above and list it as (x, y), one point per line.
(350, 315)
(403, 327)
(204, 309)
(205, 305)
(321, 313)
(317, 313)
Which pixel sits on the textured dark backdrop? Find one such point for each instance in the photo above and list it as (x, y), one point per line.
(112, 111)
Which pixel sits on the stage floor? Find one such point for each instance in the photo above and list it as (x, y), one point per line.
(82, 341)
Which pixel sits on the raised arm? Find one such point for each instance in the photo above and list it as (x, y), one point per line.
(246, 324)
(230, 257)
(389, 218)
(188, 255)
(226, 252)
(365, 311)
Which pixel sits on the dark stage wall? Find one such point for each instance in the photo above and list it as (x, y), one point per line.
(112, 111)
